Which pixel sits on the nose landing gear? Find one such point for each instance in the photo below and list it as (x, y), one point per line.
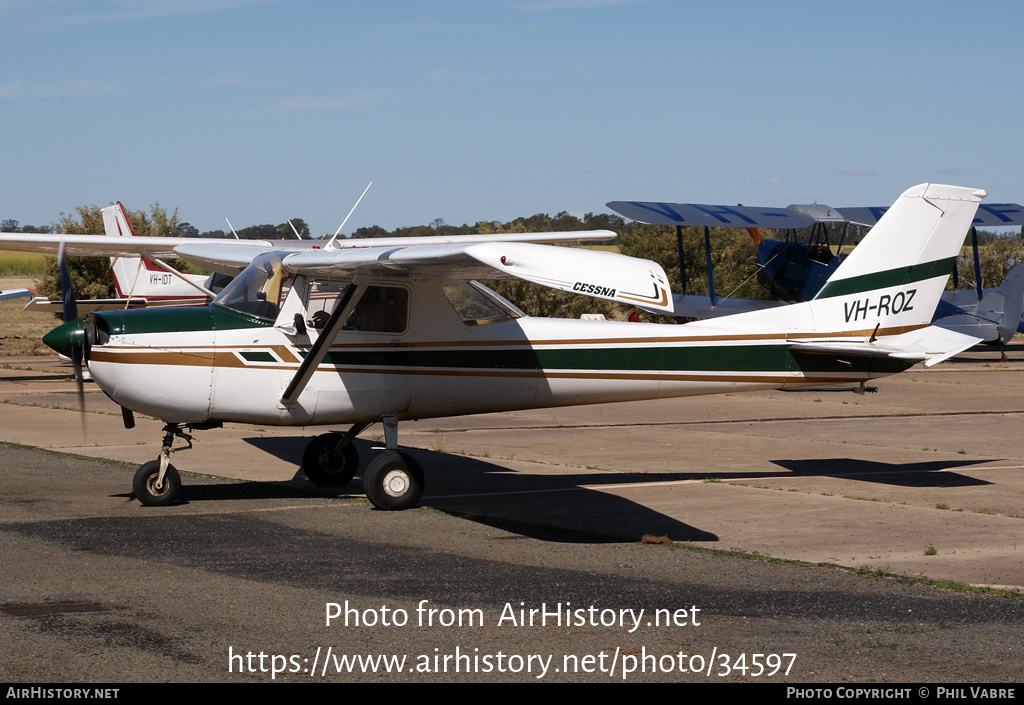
(157, 483)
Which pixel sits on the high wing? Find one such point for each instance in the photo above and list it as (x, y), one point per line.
(167, 247)
(604, 275)
(232, 256)
(599, 274)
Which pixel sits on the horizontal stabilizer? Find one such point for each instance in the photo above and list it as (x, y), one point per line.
(16, 294)
(931, 345)
(41, 303)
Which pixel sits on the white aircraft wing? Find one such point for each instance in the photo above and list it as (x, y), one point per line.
(604, 275)
(235, 255)
(599, 274)
(232, 256)
(103, 245)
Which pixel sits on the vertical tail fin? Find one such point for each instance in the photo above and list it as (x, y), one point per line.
(892, 281)
(115, 221)
(126, 271)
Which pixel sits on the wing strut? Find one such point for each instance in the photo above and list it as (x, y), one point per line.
(707, 256)
(320, 347)
(977, 263)
(682, 262)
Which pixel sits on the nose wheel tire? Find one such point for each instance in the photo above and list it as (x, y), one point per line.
(325, 471)
(149, 491)
(393, 481)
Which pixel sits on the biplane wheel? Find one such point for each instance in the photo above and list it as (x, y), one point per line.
(145, 487)
(393, 481)
(324, 472)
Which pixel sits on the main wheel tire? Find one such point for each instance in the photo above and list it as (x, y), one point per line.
(393, 481)
(146, 489)
(324, 471)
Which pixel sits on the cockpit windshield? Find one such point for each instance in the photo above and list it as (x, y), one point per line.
(259, 290)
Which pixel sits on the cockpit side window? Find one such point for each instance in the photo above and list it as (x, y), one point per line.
(381, 309)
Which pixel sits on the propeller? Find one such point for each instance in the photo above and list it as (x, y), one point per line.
(69, 338)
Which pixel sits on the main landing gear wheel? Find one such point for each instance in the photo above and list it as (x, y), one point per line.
(149, 492)
(325, 471)
(393, 481)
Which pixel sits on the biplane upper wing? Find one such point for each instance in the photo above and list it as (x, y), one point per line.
(656, 213)
(791, 217)
(989, 215)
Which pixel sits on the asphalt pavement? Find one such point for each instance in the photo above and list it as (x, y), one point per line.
(826, 497)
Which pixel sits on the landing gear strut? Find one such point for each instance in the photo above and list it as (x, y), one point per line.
(157, 483)
(392, 481)
(155, 488)
(330, 459)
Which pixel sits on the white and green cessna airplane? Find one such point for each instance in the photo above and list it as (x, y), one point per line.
(410, 334)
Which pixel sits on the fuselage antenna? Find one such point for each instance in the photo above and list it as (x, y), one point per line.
(330, 243)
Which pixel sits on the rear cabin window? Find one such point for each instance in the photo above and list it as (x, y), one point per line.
(477, 305)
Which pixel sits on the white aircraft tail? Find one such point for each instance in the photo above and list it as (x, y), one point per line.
(881, 300)
(892, 281)
(137, 278)
(130, 277)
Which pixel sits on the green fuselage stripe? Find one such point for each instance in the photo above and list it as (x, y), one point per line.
(890, 277)
(719, 358)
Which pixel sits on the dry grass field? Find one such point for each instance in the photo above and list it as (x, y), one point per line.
(21, 332)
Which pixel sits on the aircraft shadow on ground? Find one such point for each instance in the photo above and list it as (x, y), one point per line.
(553, 507)
(927, 474)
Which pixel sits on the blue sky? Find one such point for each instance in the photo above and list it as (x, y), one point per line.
(465, 110)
